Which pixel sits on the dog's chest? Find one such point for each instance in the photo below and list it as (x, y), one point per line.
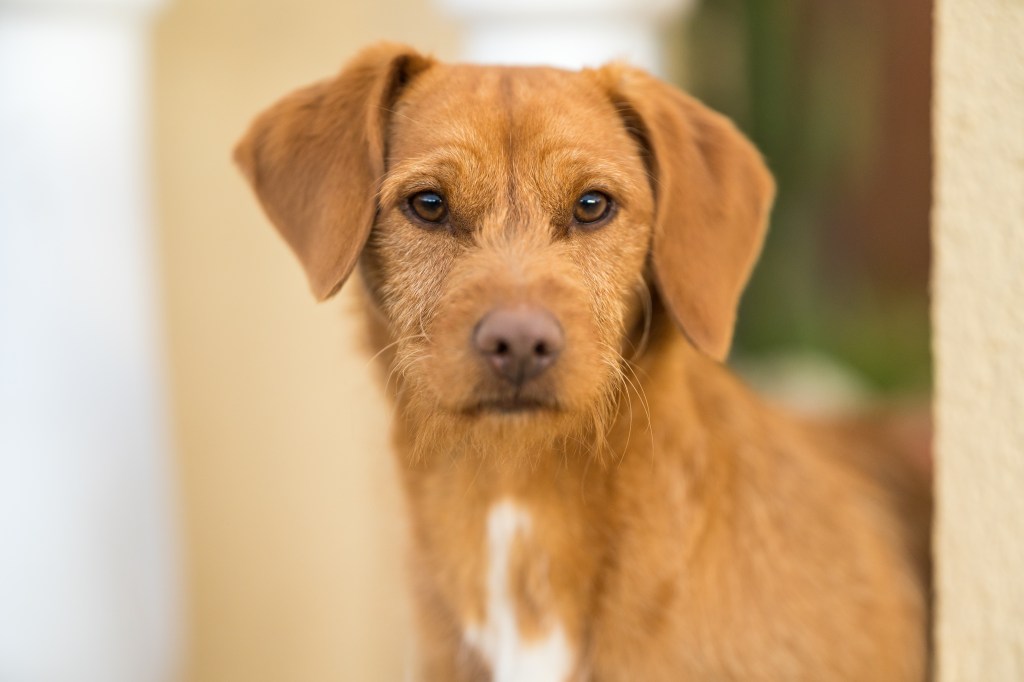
(519, 632)
(551, 582)
(514, 558)
(523, 563)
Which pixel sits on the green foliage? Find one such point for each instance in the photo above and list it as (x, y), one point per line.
(802, 78)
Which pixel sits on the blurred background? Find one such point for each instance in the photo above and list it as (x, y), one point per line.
(195, 481)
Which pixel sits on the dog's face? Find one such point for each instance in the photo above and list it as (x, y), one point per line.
(508, 220)
(509, 249)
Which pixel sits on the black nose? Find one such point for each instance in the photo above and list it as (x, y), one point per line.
(519, 343)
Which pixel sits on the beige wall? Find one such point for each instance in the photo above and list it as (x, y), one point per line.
(979, 339)
(291, 517)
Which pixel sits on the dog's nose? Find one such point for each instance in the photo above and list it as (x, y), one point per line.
(519, 343)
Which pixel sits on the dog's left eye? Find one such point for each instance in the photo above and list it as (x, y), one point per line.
(429, 206)
(592, 207)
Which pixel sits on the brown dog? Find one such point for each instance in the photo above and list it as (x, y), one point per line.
(577, 515)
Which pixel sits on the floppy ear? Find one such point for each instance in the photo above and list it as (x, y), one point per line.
(315, 158)
(713, 194)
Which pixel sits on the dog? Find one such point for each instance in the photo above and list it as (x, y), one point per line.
(550, 264)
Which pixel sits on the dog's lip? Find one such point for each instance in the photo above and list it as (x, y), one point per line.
(519, 405)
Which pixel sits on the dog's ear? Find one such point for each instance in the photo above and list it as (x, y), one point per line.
(315, 158)
(713, 194)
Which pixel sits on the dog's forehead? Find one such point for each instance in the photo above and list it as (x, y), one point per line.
(491, 108)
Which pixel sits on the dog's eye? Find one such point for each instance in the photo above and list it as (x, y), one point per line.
(591, 208)
(428, 206)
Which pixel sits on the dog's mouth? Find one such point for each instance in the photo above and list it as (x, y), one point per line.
(510, 406)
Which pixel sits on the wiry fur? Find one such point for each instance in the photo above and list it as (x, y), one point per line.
(680, 529)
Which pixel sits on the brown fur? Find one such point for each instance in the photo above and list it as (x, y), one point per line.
(683, 530)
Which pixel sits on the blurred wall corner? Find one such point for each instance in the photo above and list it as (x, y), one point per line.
(88, 551)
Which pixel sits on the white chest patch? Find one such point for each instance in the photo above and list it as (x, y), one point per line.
(510, 657)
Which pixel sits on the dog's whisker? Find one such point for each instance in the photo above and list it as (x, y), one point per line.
(423, 324)
(394, 343)
(476, 475)
(619, 366)
(400, 368)
(641, 393)
(605, 417)
(635, 385)
(400, 114)
(642, 396)
(624, 395)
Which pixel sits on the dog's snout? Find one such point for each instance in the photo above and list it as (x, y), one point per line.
(519, 343)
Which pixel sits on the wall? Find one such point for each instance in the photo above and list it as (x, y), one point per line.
(292, 528)
(87, 517)
(978, 338)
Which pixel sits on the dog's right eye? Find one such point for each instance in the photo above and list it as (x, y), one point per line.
(592, 208)
(428, 206)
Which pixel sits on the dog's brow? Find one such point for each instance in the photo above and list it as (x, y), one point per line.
(446, 154)
(439, 167)
(572, 153)
(579, 166)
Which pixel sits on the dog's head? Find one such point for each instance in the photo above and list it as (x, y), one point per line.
(507, 220)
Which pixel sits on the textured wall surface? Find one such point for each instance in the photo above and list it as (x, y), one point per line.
(292, 528)
(979, 338)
